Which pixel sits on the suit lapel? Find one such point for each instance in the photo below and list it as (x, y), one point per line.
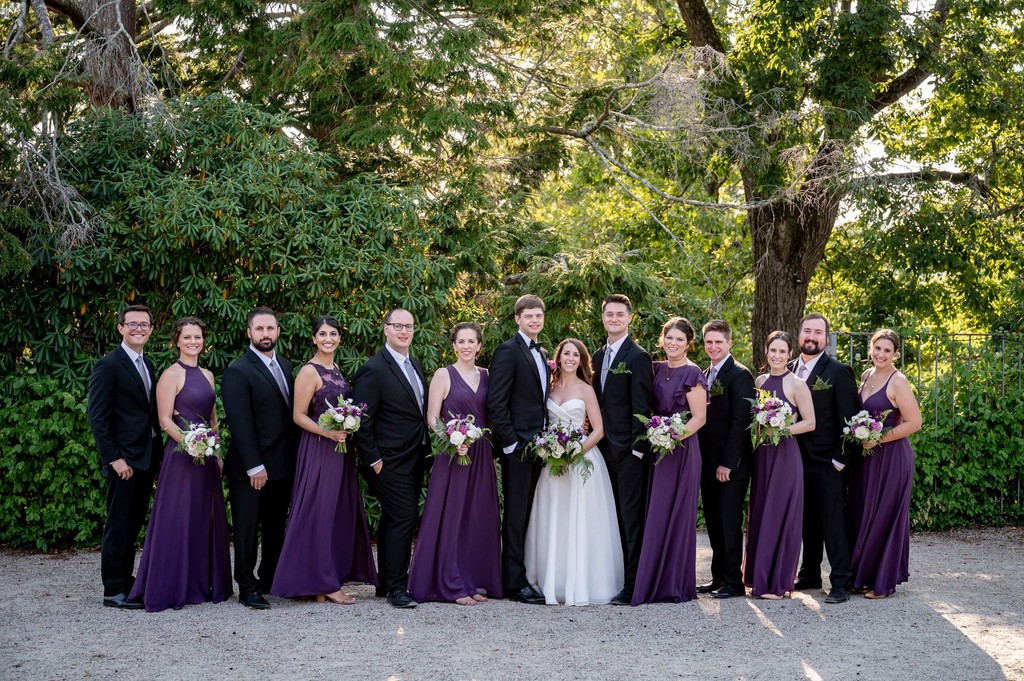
(399, 373)
(528, 355)
(262, 369)
(129, 366)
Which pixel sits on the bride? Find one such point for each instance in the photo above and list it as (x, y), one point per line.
(573, 551)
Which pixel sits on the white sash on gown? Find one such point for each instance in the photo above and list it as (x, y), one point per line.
(573, 550)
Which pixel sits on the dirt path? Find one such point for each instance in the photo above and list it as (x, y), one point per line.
(960, 617)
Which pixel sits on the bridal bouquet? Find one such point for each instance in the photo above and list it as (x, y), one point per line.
(560, 446)
(458, 431)
(346, 415)
(199, 442)
(772, 418)
(866, 427)
(664, 432)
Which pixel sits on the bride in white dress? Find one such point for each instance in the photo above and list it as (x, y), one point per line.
(573, 551)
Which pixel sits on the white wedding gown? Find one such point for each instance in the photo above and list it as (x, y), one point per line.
(573, 551)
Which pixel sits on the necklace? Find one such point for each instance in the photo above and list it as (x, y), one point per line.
(672, 370)
(871, 383)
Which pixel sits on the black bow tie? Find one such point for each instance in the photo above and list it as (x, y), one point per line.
(534, 345)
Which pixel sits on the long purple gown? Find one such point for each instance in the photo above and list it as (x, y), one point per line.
(327, 540)
(186, 557)
(668, 558)
(458, 551)
(880, 503)
(775, 520)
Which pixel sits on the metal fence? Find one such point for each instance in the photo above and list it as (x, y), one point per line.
(949, 371)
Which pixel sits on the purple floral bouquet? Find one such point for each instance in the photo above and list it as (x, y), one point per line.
(199, 442)
(560, 446)
(772, 419)
(346, 415)
(866, 427)
(664, 432)
(458, 431)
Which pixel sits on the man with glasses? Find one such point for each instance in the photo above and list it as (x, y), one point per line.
(123, 419)
(393, 447)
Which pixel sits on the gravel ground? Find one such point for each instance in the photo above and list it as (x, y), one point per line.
(960, 617)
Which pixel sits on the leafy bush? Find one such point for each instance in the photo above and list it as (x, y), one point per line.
(53, 491)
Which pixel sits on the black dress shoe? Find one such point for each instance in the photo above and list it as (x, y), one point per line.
(624, 597)
(381, 592)
(400, 598)
(121, 601)
(729, 591)
(529, 595)
(806, 584)
(838, 594)
(254, 600)
(707, 588)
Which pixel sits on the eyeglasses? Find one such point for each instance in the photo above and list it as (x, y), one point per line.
(139, 326)
(401, 327)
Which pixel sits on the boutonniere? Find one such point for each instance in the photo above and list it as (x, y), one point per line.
(821, 385)
(621, 368)
(551, 365)
(717, 388)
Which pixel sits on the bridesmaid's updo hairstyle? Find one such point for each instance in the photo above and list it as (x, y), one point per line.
(180, 325)
(889, 335)
(462, 326)
(679, 324)
(778, 335)
(583, 371)
(326, 320)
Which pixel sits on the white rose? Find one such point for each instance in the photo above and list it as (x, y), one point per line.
(338, 418)
(862, 432)
(456, 438)
(474, 432)
(777, 421)
(351, 423)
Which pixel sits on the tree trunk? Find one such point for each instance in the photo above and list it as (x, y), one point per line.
(111, 61)
(789, 241)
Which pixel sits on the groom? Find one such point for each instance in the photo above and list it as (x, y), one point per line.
(516, 403)
(624, 389)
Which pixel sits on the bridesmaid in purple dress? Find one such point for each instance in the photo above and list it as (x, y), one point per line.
(185, 558)
(775, 521)
(458, 551)
(327, 540)
(880, 487)
(668, 557)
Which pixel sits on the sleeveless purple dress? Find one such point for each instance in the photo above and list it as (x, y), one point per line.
(775, 520)
(186, 558)
(668, 557)
(458, 551)
(880, 508)
(327, 540)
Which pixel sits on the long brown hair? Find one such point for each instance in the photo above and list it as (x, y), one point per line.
(583, 371)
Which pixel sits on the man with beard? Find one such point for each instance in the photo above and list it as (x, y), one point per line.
(834, 393)
(260, 461)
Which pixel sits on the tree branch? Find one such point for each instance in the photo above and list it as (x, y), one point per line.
(70, 9)
(972, 180)
(910, 79)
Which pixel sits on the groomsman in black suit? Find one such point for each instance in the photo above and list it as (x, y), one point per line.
(834, 393)
(625, 388)
(393, 446)
(260, 462)
(517, 406)
(122, 416)
(725, 450)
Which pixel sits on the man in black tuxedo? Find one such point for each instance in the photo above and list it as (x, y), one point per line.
(725, 450)
(834, 393)
(260, 462)
(624, 389)
(122, 416)
(393, 446)
(517, 407)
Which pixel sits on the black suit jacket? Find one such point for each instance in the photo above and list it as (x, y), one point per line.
(394, 429)
(122, 417)
(259, 418)
(516, 399)
(624, 395)
(725, 438)
(834, 403)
